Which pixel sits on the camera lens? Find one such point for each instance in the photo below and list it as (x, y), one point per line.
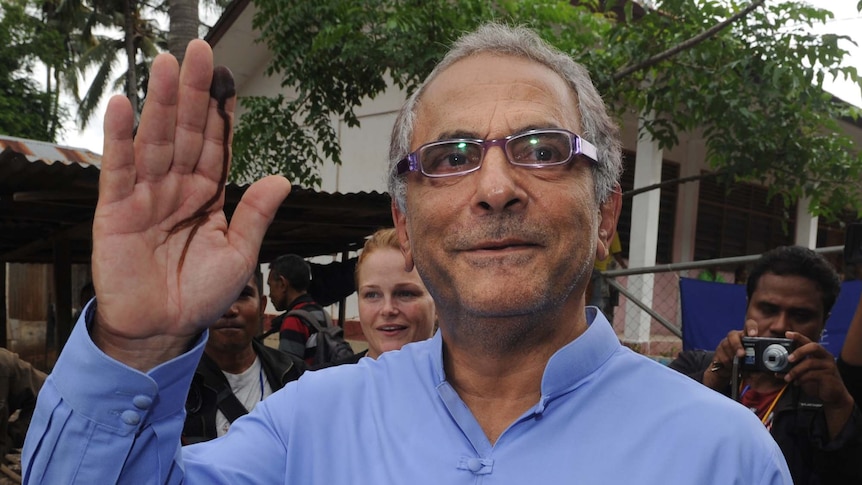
(775, 358)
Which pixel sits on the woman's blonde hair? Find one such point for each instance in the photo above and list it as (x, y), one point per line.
(381, 239)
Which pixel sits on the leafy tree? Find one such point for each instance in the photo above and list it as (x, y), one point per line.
(184, 23)
(753, 84)
(340, 52)
(754, 88)
(140, 39)
(26, 110)
(130, 30)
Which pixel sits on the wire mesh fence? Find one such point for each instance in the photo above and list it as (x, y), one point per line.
(643, 304)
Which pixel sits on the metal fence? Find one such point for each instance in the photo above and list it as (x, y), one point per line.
(644, 305)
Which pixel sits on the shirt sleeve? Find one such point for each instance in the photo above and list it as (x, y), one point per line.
(100, 421)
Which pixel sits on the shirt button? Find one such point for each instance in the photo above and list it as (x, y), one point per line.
(474, 464)
(130, 417)
(142, 402)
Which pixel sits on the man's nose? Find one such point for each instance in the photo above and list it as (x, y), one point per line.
(498, 183)
(231, 311)
(780, 324)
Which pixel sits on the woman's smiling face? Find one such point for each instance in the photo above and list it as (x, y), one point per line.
(394, 306)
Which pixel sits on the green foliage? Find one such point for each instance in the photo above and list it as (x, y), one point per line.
(71, 39)
(333, 54)
(753, 89)
(283, 141)
(101, 43)
(25, 108)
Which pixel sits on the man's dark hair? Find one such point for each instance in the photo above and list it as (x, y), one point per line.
(798, 261)
(294, 269)
(258, 278)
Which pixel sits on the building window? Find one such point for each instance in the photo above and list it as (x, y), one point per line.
(740, 220)
(667, 208)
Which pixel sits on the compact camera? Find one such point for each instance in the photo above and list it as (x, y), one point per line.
(764, 354)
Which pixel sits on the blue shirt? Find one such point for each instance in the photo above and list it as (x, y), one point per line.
(606, 416)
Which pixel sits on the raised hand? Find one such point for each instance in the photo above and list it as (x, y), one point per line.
(719, 374)
(165, 262)
(817, 374)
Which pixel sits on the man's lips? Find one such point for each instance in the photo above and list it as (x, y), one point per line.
(221, 325)
(502, 245)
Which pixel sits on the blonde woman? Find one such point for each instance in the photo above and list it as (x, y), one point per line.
(395, 308)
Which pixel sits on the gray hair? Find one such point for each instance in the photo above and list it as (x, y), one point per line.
(597, 126)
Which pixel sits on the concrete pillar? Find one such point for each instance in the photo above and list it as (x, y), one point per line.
(685, 221)
(806, 225)
(644, 237)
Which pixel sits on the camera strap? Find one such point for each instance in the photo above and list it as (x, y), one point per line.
(734, 379)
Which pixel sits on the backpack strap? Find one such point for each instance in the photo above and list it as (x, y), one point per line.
(309, 318)
(226, 401)
(304, 315)
(229, 405)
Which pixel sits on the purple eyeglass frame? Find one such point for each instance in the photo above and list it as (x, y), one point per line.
(581, 147)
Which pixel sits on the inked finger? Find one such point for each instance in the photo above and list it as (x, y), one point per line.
(218, 132)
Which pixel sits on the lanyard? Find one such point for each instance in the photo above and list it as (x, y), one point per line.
(765, 416)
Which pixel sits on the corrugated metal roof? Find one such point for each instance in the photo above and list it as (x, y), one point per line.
(49, 153)
(48, 196)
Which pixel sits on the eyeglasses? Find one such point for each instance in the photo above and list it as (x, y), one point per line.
(533, 149)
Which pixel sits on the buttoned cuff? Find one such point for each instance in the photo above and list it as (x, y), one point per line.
(115, 395)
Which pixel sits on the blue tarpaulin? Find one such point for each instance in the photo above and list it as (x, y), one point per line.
(710, 310)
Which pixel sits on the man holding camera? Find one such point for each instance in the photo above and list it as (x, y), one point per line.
(794, 385)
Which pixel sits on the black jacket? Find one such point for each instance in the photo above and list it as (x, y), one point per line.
(799, 427)
(208, 382)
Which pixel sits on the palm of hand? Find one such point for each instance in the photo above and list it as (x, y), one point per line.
(165, 262)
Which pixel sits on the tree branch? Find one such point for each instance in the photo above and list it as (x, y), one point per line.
(686, 44)
(668, 183)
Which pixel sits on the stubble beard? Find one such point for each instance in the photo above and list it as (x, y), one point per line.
(515, 322)
(516, 325)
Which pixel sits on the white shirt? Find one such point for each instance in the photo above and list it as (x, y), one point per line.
(249, 387)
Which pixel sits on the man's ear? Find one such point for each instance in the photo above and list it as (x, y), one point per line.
(400, 221)
(609, 214)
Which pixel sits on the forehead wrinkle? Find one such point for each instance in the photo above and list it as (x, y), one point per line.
(535, 115)
(493, 103)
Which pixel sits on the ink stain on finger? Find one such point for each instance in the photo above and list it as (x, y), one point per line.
(222, 88)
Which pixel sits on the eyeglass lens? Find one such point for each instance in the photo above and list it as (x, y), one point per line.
(530, 149)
